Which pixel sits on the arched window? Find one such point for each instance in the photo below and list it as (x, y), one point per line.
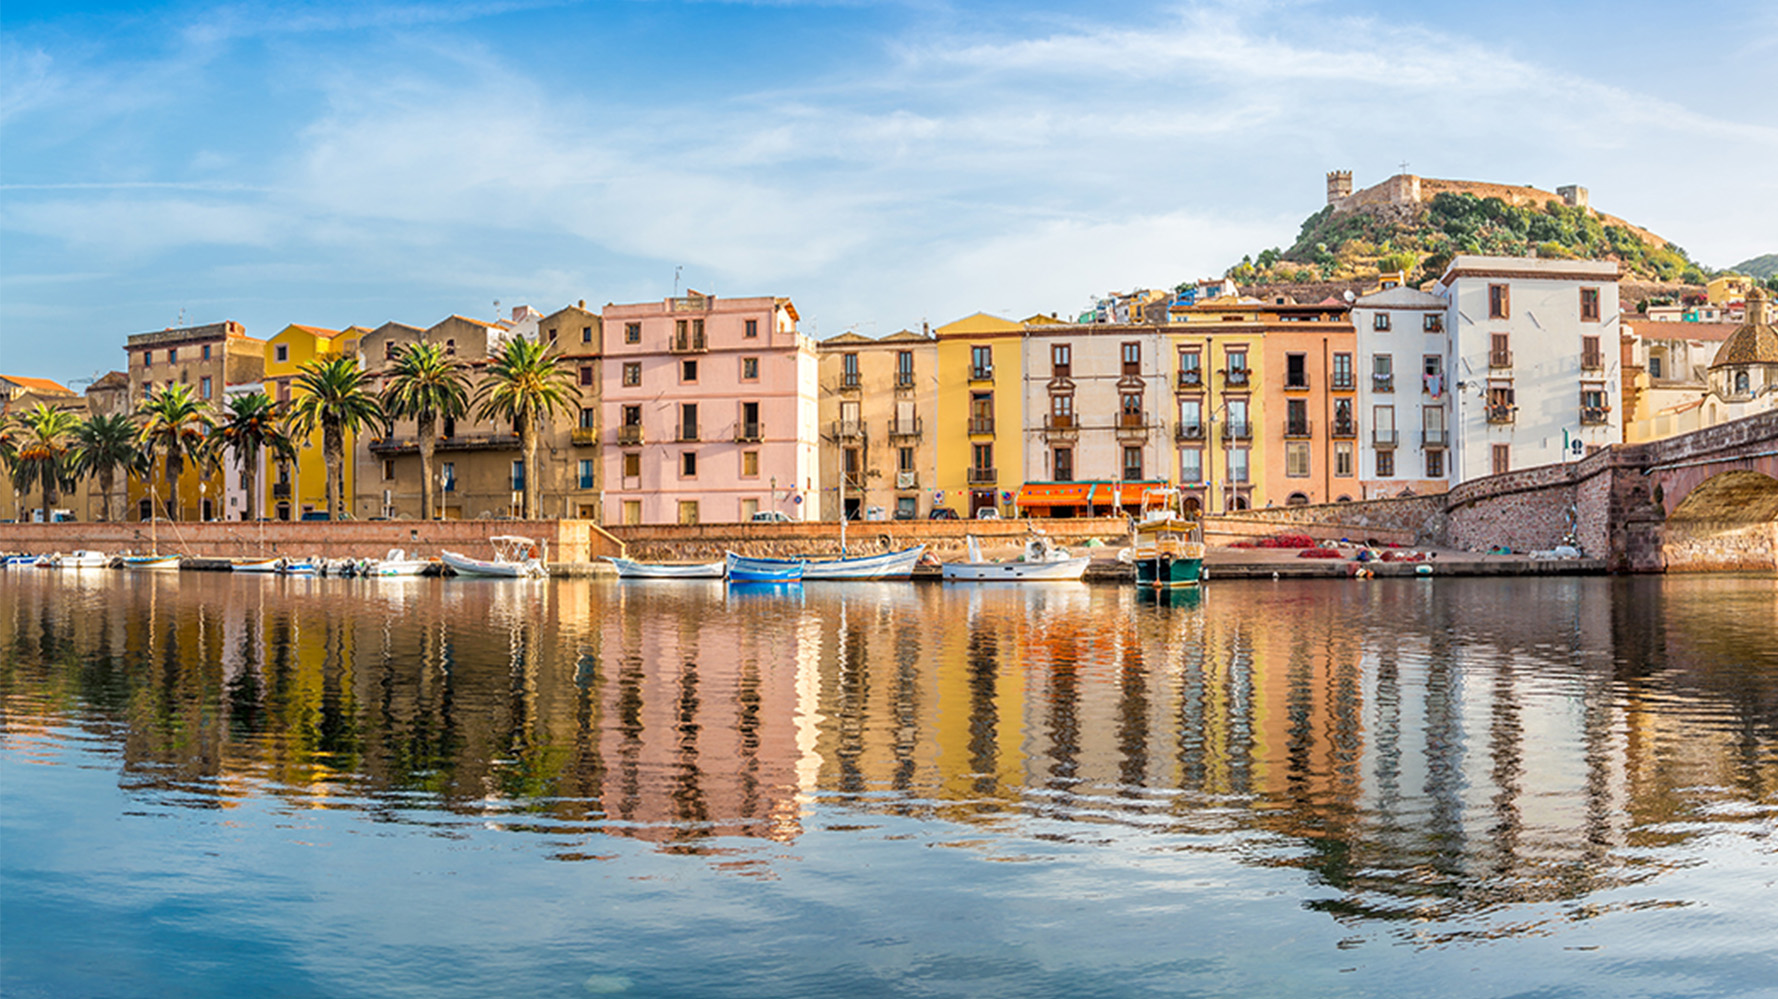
(1297, 499)
(1741, 383)
(1343, 498)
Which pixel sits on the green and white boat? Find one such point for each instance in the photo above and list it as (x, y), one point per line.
(1167, 547)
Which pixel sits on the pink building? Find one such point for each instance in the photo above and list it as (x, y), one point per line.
(710, 411)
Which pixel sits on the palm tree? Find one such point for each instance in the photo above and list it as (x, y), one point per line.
(426, 384)
(175, 425)
(249, 424)
(336, 396)
(523, 385)
(104, 444)
(40, 456)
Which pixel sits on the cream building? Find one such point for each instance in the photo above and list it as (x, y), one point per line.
(877, 398)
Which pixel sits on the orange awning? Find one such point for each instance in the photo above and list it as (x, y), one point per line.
(1052, 494)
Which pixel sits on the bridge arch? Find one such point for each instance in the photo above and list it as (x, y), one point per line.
(1738, 495)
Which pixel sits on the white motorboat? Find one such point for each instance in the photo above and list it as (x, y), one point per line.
(262, 565)
(627, 569)
(397, 563)
(514, 558)
(1044, 562)
(24, 561)
(82, 559)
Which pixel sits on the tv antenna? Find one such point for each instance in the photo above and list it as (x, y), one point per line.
(676, 271)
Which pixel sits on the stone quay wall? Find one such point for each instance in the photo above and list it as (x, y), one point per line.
(566, 540)
(945, 539)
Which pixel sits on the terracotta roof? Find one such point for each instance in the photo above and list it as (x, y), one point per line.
(316, 330)
(1756, 342)
(41, 386)
(1656, 329)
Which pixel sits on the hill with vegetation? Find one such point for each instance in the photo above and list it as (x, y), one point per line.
(1422, 238)
(1763, 267)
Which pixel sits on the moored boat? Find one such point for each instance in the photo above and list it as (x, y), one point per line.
(299, 567)
(397, 563)
(261, 565)
(1044, 562)
(742, 569)
(24, 561)
(889, 565)
(627, 569)
(156, 562)
(513, 559)
(1167, 547)
(82, 559)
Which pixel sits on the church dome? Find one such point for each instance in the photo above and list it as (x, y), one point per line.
(1756, 342)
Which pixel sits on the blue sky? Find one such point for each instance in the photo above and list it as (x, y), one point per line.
(882, 164)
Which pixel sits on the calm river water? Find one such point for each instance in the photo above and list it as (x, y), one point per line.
(221, 785)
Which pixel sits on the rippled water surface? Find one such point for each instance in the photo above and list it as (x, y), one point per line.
(226, 786)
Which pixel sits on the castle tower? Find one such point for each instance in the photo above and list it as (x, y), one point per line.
(1573, 195)
(1339, 185)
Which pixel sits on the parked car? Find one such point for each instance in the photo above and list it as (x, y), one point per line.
(771, 517)
(987, 513)
(942, 513)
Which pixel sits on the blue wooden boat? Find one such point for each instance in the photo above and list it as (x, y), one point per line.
(889, 565)
(762, 570)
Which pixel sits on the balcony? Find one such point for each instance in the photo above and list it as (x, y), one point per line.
(905, 430)
(1592, 360)
(1595, 416)
(981, 374)
(1344, 429)
(1340, 381)
(389, 447)
(1296, 383)
(982, 477)
(1191, 378)
(1381, 382)
(688, 434)
(687, 343)
(583, 436)
(907, 480)
(1500, 358)
(1237, 431)
(1384, 438)
(1131, 426)
(629, 435)
(981, 425)
(280, 490)
(1189, 432)
(1060, 425)
(848, 430)
(748, 432)
(1299, 429)
(1061, 372)
(850, 381)
(904, 380)
(1501, 413)
(1235, 377)
(1435, 438)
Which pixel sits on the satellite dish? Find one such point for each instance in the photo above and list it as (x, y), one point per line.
(1349, 296)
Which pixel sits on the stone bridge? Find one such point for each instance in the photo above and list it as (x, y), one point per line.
(1699, 502)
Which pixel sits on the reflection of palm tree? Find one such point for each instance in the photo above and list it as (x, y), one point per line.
(337, 397)
(249, 425)
(104, 444)
(523, 385)
(41, 451)
(426, 384)
(175, 426)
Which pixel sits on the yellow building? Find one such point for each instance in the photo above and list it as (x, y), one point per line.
(980, 426)
(291, 490)
(1727, 288)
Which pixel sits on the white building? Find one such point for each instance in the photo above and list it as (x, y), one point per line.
(1533, 359)
(1404, 392)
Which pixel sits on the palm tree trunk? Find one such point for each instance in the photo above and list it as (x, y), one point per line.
(333, 452)
(250, 482)
(428, 428)
(49, 494)
(175, 470)
(105, 483)
(528, 442)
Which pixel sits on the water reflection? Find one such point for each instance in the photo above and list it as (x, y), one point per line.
(1422, 750)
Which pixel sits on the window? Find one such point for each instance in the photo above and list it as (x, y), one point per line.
(688, 370)
(632, 464)
(632, 416)
(981, 457)
(1435, 464)
(1380, 322)
(282, 352)
(632, 511)
(172, 355)
(1343, 460)
(1062, 410)
(1190, 368)
(1191, 465)
(632, 332)
(148, 389)
(1382, 373)
(388, 469)
(1132, 463)
(1591, 357)
(1342, 418)
(1501, 402)
(1296, 418)
(851, 460)
(518, 476)
(904, 459)
(1296, 459)
(688, 511)
(981, 363)
(1062, 464)
(1191, 418)
(389, 350)
(1237, 360)
(1499, 302)
(1061, 360)
(632, 373)
(1503, 458)
(904, 368)
(586, 473)
(1385, 464)
(1237, 425)
(589, 417)
(552, 336)
(1589, 305)
(1500, 353)
(750, 369)
(688, 421)
(981, 412)
(752, 329)
(586, 374)
(1383, 426)
(849, 377)
(1432, 423)
(204, 386)
(447, 476)
(450, 348)
(1237, 464)
(688, 464)
(284, 392)
(1654, 366)
(907, 507)
(1432, 322)
(1130, 409)
(750, 421)
(1743, 384)
(1132, 354)
(586, 334)
(1296, 371)
(1342, 371)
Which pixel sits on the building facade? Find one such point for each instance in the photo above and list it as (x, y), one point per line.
(878, 398)
(1404, 393)
(709, 411)
(208, 358)
(298, 487)
(981, 414)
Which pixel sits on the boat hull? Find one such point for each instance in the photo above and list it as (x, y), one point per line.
(401, 567)
(890, 565)
(626, 569)
(151, 562)
(260, 565)
(1059, 571)
(742, 569)
(463, 565)
(1168, 571)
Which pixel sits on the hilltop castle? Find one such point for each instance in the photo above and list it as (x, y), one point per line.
(1405, 189)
